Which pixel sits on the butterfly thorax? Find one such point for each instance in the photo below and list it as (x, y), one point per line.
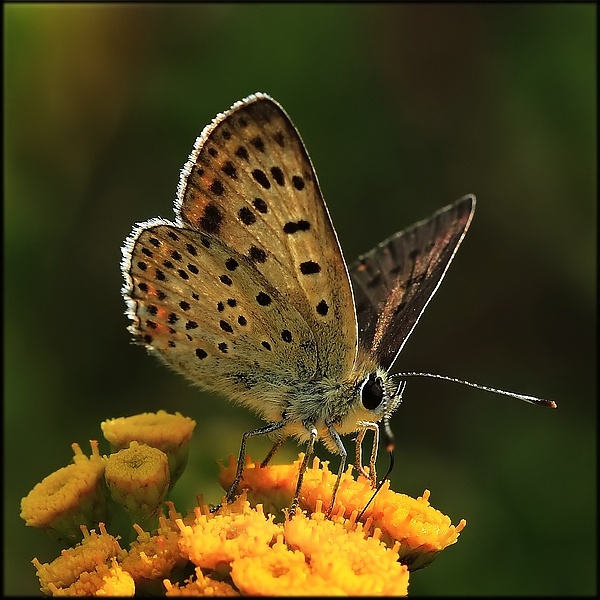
(366, 395)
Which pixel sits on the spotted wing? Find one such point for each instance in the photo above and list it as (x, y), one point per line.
(249, 182)
(394, 282)
(210, 314)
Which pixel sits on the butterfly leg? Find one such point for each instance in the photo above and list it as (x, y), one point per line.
(309, 452)
(272, 451)
(372, 474)
(335, 436)
(358, 453)
(242, 458)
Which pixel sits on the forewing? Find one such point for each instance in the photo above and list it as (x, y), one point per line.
(394, 282)
(250, 183)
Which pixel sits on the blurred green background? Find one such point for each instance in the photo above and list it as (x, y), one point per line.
(403, 108)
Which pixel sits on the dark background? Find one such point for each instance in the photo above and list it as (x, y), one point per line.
(403, 108)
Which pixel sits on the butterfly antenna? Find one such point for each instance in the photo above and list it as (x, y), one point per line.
(485, 388)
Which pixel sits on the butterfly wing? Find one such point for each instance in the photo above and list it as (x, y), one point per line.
(210, 314)
(249, 182)
(394, 282)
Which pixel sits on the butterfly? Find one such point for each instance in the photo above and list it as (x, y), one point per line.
(248, 295)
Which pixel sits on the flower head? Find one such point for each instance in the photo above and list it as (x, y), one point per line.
(154, 556)
(69, 498)
(167, 432)
(138, 479)
(78, 569)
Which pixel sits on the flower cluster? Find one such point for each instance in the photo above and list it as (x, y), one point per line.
(250, 546)
(305, 555)
(421, 530)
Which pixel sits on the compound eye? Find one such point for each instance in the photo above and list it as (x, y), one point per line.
(372, 392)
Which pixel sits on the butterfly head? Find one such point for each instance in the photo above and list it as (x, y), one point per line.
(375, 396)
(379, 395)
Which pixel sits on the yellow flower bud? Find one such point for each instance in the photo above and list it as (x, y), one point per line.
(167, 432)
(138, 479)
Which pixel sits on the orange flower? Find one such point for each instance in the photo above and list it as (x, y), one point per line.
(420, 530)
(215, 541)
(303, 556)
